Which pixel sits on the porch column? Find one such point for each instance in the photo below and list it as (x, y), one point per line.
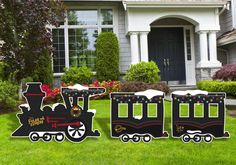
(134, 47)
(144, 46)
(203, 49)
(213, 49)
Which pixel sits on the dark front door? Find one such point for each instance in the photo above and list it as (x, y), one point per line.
(166, 48)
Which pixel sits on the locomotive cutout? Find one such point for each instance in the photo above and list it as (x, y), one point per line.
(71, 120)
(194, 127)
(131, 127)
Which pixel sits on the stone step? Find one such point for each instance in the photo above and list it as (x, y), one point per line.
(182, 88)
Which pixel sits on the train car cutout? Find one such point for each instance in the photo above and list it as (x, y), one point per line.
(198, 127)
(72, 120)
(132, 127)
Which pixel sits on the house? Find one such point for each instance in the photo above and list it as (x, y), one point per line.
(227, 36)
(179, 35)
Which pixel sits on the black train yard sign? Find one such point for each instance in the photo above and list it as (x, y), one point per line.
(194, 127)
(70, 120)
(187, 128)
(134, 127)
(75, 121)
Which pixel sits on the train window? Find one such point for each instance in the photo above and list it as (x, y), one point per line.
(71, 100)
(152, 110)
(137, 111)
(80, 102)
(123, 110)
(183, 110)
(213, 110)
(199, 110)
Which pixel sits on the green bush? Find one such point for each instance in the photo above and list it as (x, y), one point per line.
(8, 96)
(2, 65)
(229, 87)
(4, 75)
(42, 71)
(144, 71)
(74, 75)
(107, 61)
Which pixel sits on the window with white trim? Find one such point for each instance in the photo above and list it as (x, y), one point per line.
(74, 41)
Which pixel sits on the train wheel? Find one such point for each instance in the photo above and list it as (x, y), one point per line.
(197, 138)
(125, 138)
(76, 133)
(136, 138)
(34, 136)
(59, 137)
(208, 138)
(47, 137)
(147, 138)
(186, 138)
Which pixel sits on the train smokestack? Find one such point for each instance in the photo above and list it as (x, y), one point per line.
(34, 95)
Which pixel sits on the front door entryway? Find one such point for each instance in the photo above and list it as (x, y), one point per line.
(166, 48)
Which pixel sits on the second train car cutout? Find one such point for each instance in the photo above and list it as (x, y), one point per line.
(144, 126)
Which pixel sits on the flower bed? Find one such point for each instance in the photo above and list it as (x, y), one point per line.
(53, 95)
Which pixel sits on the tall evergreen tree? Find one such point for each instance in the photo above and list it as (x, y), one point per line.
(25, 35)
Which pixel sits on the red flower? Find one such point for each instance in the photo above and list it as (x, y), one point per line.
(96, 83)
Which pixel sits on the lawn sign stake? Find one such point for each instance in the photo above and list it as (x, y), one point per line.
(131, 127)
(71, 120)
(195, 127)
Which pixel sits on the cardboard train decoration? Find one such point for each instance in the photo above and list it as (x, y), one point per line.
(75, 122)
(137, 127)
(187, 128)
(197, 127)
(70, 120)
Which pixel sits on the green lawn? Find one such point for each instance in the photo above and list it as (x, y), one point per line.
(112, 151)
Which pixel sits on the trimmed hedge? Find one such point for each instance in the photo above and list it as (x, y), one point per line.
(107, 60)
(229, 87)
(136, 86)
(42, 70)
(144, 71)
(75, 75)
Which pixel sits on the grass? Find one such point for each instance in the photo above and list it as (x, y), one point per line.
(112, 151)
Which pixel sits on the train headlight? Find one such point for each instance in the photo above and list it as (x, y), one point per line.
(75, 111)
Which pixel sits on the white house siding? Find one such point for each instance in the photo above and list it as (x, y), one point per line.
(124, 42)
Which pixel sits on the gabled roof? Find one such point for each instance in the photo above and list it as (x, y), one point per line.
(227, 38)
(174, 3)
(91, 0)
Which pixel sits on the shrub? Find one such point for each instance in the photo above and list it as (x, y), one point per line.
(136, 86)
(74, 75)
(25, 35)
(229, 87)
(144, 71)
(8, 96)
(42, 71)
(226, 73)
(2, 71)
(107, 61)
